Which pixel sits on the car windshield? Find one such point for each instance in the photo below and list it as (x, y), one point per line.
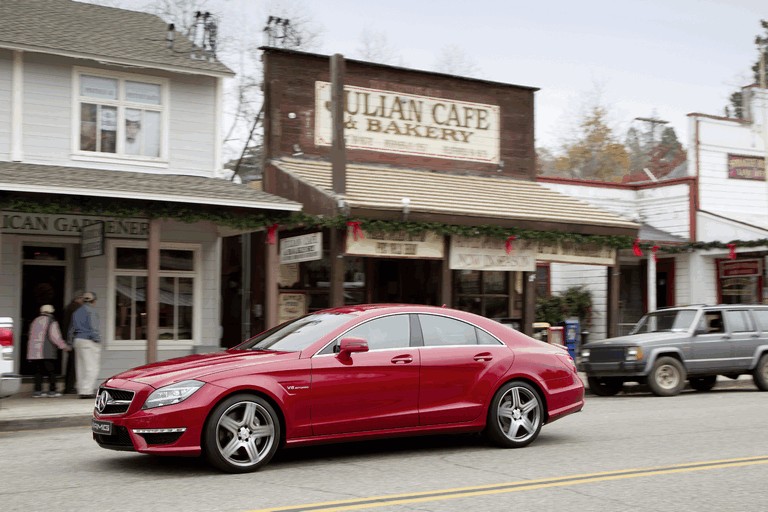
(296, 335)
(678, 320)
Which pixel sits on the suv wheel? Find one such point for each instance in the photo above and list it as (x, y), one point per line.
(667, 377)
(703, 383)
(760, 374)
(607, 386)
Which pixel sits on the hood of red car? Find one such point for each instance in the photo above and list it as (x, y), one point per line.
(200, 366)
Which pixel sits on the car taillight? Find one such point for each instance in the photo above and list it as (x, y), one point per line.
(6, 337)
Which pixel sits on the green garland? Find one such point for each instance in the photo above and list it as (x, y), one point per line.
(246, 219)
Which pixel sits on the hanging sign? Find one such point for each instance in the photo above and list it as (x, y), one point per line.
(569, 252)
(398, 244)
(296, 249)
(92, 240)
(290, 306)
(483, 253)
(740, 268)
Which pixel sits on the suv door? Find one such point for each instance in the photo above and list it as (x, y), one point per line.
(710, 345)
(745, 335)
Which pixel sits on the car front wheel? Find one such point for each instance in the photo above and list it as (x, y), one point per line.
(606, 386)
(241, 434)
(760, 374)
(667, 377)
(515, 416)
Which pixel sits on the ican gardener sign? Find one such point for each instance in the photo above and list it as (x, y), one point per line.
(392, 122)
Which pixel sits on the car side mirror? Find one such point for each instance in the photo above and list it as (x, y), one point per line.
(348, 346)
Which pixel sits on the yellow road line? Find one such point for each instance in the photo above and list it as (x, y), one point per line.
(524, 485)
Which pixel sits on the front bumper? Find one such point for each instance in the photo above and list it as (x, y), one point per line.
(10, 384)
(170, 430)
(613, 369)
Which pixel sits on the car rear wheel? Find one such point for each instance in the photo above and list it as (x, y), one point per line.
(606, 386)
(760, 374)
(667, 377)
(242, 434)
(703, 383)
(515, 416)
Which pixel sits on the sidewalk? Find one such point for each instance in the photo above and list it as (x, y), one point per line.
(22, 412)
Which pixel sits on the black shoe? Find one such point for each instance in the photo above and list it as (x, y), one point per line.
(88, 396)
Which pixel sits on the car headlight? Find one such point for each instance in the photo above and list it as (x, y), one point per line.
(634, 354)
(172, 394)
(584, 353)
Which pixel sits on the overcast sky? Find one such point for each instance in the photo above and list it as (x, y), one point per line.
(665, 58)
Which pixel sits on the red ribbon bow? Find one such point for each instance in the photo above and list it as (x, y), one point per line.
(655, 249)
(356, 229)
(272, 234)
(636, 248)
(732, 251)
(508, 243)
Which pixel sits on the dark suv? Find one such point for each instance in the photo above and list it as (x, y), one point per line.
(668, 346)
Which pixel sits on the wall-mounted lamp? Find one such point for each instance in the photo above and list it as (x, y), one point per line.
(297, 150)
(342, 205)
(406, 207)
(291, 115)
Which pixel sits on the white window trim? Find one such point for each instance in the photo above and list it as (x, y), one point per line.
(112, 273)
(122, 77)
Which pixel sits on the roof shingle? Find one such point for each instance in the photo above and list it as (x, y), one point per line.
(108, 34)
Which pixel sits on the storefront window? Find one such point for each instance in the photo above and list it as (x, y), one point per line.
(484, 293)
(176, 294)
(315, 281)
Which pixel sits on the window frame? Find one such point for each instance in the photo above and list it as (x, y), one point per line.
(121, 105)
(197, 289)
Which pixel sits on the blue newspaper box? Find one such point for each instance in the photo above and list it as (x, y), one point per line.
(572, 335)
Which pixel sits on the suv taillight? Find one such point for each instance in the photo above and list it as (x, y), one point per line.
(6, 337)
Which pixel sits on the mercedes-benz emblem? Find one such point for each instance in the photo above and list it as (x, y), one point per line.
(102, 400)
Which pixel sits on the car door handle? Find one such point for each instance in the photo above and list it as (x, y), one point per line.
(402, 359)
(485, 356)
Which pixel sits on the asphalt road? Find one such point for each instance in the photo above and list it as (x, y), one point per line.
(693, 452)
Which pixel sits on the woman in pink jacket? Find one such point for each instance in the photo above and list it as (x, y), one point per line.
(44, 338)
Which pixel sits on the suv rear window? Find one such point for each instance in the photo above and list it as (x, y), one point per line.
(738, 321)
(761, 315)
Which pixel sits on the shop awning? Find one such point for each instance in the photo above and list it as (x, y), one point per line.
(379, 192)
(173, 188)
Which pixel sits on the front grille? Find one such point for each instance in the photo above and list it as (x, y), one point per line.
(606, 355)
(117, 440)
(120, 400)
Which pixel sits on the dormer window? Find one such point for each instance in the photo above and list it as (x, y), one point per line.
(120, 115)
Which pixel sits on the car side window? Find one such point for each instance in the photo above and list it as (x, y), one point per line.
(712, 322)
(738, 321)
(380, 333)
(761, 315)
(483, 338)
(440, 331)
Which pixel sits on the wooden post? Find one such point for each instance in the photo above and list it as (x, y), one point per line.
(336, 254)
(271, 273)
(338, 146)
(614, 282)
(529, 302)
(153, 287)
(446, 289)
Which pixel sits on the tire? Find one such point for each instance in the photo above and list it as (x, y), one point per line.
(667, 377)
(703, 383)
(241, 434)
(760, 373)
(606, 386)
(515, 416)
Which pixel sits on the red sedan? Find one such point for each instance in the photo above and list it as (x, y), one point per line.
(358, 372)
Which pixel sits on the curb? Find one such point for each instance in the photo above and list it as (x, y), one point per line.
(32, 423)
